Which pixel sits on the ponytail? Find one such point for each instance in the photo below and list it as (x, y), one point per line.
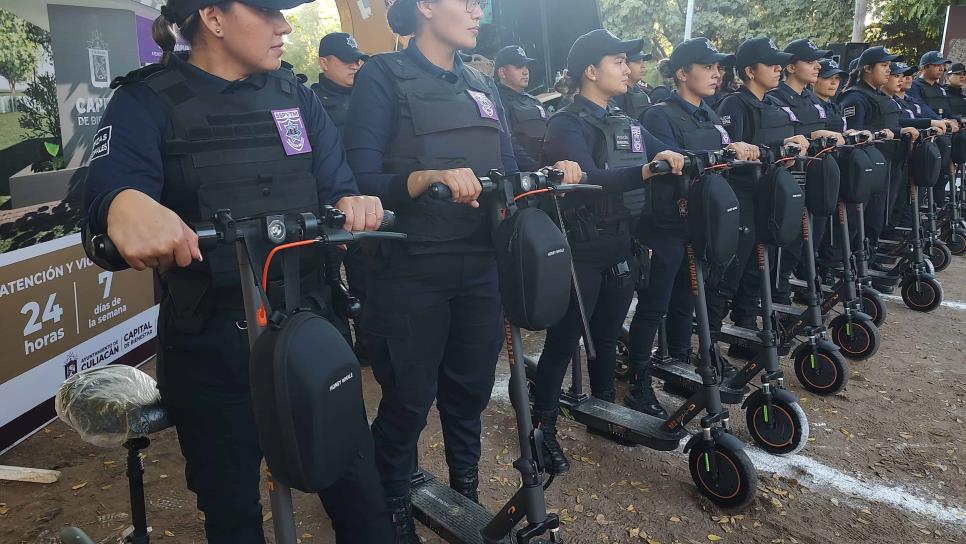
(163, 33)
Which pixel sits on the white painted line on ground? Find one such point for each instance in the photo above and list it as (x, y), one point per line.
(954, 304)
(813, 473)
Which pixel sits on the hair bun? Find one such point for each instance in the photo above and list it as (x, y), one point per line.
(402, 17)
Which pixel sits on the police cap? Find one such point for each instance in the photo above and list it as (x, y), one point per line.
(957, 68)
(634, 57)
(932, 57)
(595, 45)
(830, 68)
(875, 55)
(513, 55)
(806, 51)
(177, 11)
(760, 50)
(341, 45)
(902, 69)
(697, 51)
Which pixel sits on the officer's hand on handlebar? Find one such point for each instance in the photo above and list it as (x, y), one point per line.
(911, 132)
(462, 183)
(674, 160)
(889, 135)
(148, 235)
(952, 126)
(839, 140)
(744, 151)
(572, 171)
(361, 212)
(939, 125)
(853, 132)
(799, 141)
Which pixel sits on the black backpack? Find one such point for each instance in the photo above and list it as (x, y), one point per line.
(856, 169)
(534, 262)
(880, 169)
(779, 205)
(822, 180)
(958, 152)
(925, 164)
(713, 220)
(307, 397)
(945, 145)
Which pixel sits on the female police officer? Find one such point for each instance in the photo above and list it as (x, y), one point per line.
(144, 184)
(749, 116)
(684, 120)
(433, 314)
(614, 151)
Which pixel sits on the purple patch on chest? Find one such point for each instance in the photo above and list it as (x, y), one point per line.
(486, 106)
(791, 114)
(821, 110)
(637, 139)
(725, 137)
(291, 129)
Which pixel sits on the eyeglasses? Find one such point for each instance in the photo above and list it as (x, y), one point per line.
(471, 5)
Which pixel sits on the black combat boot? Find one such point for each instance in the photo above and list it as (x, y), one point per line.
(553, 454)
(641, 396)
(401, 512)
(466, 482)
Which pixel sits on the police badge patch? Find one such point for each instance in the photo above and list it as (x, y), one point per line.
(486, 106)
(726, 120)
(291, 129)
(849, 111)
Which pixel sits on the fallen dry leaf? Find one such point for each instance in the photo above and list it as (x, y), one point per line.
(713, 537)
(78, 486)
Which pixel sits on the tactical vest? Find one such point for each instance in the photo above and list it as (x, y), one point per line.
(771, 125)
(335, 104)
(691, 134)
(620, 145)
(634, 103)
(811, 114)
(248, 152)
(528, 120)
(957, 101)
(907, 110)
(885, 110)
(439, 126)
(935, 96)
(834, 120)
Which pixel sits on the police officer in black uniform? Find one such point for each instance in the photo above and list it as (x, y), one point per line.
(956, 89)
(928, 86)
(750, 116)
(433, 318)
(615, 152)
(527, 115)
(866, 108)
(685, 121)
(636, 100)
(144, 187)
(339, 61)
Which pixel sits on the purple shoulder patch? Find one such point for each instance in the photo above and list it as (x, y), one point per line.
(791, 114)
(637, 139)
(486, 106)
(291, 129)
(725, 137)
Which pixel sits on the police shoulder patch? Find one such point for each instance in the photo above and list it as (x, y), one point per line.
(101, 146)
(849, 111)
(726, 120)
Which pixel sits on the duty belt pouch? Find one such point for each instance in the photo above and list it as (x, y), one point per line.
(643, 254)
(534, 262)
(191, 300)
(620, 272)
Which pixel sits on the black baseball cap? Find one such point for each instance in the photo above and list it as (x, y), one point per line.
(177, 11)
(512, 54)
(805, 50)
(697, 51)
(830, 68)
(760, 50)
(634, 57)
(933, 57)
(854, 65)
(875, 55)
(957, 68)
(595, 45)
(341, 45)
(902, 69)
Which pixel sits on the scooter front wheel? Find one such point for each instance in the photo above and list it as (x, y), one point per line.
(820, 370)
(923, 294)
(779, 429)
(857, 339)
(940, 256)
(724, 475)
(874, 307)
(957, 243)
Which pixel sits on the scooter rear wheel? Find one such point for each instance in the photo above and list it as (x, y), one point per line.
(820, 370)
(731, 483)
(781, 429)
(957, 243)
(922, 295)
(940, 256)
(874, 307)
(858, 340)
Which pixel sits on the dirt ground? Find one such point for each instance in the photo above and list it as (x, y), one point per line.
(885, 463)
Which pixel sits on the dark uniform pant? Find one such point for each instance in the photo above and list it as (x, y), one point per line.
(606, 300)
(204, 384)
(433, 326)
(668, 293)
(740, 285)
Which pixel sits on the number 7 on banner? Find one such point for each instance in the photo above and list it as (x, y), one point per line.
(104, 278)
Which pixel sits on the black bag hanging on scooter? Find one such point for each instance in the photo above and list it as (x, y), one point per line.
(856, 170)
(945, 145)
(307, 398)
(822, 180)
(713, 220)
(534, 262)
(925, 164)
(958, 152)
(779, 204)
(880, 170)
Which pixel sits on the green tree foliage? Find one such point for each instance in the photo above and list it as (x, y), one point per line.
(39, 114)
(19, 51)
(909, 28)
(309, 23)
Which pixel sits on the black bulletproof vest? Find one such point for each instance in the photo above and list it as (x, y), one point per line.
(771, 125)
(885, 112)
(907, 110)
(633, 103)
(335, 104)
(441, 125)
(811, 114)
(957, 101)
(834, 120)
(691, 134)
(935, 96)
(528, 120)
(248, 152)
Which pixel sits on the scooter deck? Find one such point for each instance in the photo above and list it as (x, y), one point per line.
(799, 286)
(683, 374)
(740, 334)
(452, 516)
(787, 309)
(630, 425)
(885, 276)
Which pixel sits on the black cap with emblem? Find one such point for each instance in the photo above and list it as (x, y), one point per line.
(830, 68)
(513, 55)
(901, 68)
(957, 68)
(760, 51)
(697, 51)
(932, 57)
(595, 45)
(177, 11)
(341, 45)
(806, 51)
(875, 55)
